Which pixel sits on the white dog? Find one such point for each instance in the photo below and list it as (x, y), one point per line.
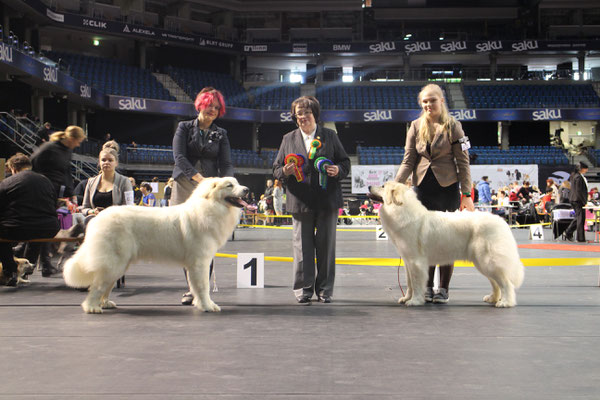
(425, 238)
(189, 234)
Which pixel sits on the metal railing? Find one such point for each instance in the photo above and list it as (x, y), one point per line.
(22, 132)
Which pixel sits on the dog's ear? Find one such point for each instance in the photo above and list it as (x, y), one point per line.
(393, 194)
(212, 190)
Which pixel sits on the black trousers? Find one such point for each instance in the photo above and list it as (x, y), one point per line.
(438, 198)
(578, 222)
(16, 235)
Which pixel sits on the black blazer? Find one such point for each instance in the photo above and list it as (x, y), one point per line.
(308, 195)
(579, 192)
(194, 151)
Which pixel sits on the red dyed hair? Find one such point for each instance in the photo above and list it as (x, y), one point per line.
(206, 97)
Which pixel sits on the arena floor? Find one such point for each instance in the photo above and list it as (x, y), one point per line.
(265, 346)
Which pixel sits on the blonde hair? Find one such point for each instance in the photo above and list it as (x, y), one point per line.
(111, 147)
(426, 130)
(72, 132)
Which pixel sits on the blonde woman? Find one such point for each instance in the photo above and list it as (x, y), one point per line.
(278, 199)
(108, 188)
(53, 160)
(435, 150)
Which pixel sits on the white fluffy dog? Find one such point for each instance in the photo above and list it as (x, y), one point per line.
(189, 234)
(425, 238)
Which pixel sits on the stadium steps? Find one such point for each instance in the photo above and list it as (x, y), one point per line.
(174, 89)
(456, 99)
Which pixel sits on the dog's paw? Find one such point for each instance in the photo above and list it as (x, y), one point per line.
(208, 307)
(504, 304)
(91, 309)
(108, 304)
(403, 299)
(414, 302)
(490, 298)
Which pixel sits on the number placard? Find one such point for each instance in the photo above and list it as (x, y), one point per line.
(536, 232)
(250, 270)
(380, 233)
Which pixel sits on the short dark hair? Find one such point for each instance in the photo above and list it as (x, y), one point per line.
(485, 177)
(309, 102)
(18, 162)
(581, 165)
(147, 186)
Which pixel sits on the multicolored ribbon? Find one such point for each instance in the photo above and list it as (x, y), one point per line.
(314, 145)
(298, 160)
(320, 164)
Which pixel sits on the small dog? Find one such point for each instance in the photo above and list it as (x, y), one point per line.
(189, 234)
(24, 269)
(425, 238)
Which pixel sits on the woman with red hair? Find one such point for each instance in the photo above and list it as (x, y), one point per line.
(201, 150)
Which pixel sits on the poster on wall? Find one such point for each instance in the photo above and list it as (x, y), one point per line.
(364, 176)
(504, 174)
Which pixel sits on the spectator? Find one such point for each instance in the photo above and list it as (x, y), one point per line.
(43, 134)
(79, 191)
(550, 184)
(27, 211)
(269, 200)
(524, 192)
(137, 193)
(578, 199)
(483, 187)
(278, 199)
(109, 187)
(564, 191)
(53, 160)
(107, 137)
(148, 199)
(167, 193)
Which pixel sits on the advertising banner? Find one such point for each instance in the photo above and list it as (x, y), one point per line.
(364, 176)
(504, 174)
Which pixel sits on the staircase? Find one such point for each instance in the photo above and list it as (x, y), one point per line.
(174, 89)
(22, 132)
(454, 94)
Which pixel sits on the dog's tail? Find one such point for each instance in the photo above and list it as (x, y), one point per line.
(75, 273)
(517, 274)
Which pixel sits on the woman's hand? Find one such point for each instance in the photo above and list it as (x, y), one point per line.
(288, 169)
(466, 203)
(95, 211)
(198, 178)
(332, 170)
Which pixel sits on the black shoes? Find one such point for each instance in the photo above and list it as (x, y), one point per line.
(325, 299)
(11, 280)
(569, 237)
(187, 299)
(49, 270)
(303, 300)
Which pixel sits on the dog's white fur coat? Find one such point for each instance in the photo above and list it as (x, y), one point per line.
(425, 238)
(188, 234)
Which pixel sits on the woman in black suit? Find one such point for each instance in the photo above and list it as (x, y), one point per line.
(201, 150)
(314, 201)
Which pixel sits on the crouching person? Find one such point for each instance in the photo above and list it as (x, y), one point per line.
(27, 211)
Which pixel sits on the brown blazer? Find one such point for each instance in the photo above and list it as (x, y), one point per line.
(447, 160)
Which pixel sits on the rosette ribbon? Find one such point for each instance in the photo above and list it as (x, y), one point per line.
(314, 145)
(320, 164)
(298, 160)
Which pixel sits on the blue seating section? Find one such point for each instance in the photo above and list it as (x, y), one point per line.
(519, 155)
(274, 97)
(530, 96)
(368, 97)
(251, 159)
(373, 155)
(147, 154)
(192, 81)
(111, 77)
